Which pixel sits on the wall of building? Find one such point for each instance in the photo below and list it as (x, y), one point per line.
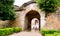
(53, 21)
(4, 24)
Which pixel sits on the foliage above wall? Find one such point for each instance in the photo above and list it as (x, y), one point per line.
(48, 6)
(58, 2)
(6, 10)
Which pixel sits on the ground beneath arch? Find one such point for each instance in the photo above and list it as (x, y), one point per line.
(25, 33)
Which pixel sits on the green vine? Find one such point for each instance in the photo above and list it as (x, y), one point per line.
(49, 6)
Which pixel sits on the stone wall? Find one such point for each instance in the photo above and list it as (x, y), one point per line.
(8, 23)
(4, 24)
(17, 22)
(53, 21)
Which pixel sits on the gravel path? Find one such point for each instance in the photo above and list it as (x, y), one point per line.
(25, 33)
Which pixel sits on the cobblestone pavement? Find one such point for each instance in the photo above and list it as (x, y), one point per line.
(26, 33)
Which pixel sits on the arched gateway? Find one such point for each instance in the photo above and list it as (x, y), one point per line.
(28, 18)
(27, 12)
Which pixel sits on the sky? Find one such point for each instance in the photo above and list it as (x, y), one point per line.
(20, 2)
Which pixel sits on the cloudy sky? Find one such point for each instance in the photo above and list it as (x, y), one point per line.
(20, 2)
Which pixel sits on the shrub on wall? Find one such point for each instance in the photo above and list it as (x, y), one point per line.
(58, 2)
(48, 6)
(6, 10)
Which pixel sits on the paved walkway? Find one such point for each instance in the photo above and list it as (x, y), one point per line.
(26, 33)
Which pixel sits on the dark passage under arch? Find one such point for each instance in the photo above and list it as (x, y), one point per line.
(29, 16)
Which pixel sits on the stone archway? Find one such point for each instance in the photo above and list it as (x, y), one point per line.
(28, 18)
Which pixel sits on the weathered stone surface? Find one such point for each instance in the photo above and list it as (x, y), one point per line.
(53, 21)
(4, 23)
